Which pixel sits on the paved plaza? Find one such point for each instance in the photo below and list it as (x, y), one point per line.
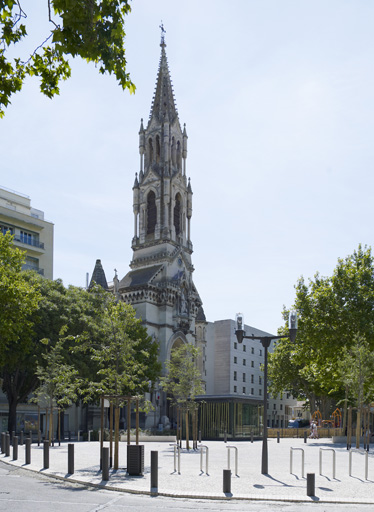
(248, 483)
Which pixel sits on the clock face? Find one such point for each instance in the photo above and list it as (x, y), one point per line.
(180, 262)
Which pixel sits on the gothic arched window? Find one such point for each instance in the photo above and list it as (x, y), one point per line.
(177, 214)
(179, 155)
(151, 212)
(158, 149)
(173, 159)
(150, 151)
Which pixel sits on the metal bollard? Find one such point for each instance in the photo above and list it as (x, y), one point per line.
(200, 437)
(7, 445)
(202, 449)
(71, 459)
(305, 432)
(3, 442)
(251, 437)
(227, 481)
(310, 484)
(27, 451)
(105, 452)
(278, 436)
(225, 437)
(154, 472)
(45, 454)
(21, 438)
(15, 448)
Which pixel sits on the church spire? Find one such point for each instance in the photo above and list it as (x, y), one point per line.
(163, 105)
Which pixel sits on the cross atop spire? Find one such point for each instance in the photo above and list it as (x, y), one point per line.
(163, 32)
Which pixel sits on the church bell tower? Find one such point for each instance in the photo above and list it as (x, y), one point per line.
(160, 285)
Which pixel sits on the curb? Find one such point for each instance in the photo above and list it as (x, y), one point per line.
(240, 497)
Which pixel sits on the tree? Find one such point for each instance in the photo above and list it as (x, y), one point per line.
(58, 309)
(19, 299)
(90, 29)
(183, 379)
(58, 381)
(355, 370)
(126, 357)
(331, 312)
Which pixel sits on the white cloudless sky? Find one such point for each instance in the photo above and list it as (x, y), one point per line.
(278, 99)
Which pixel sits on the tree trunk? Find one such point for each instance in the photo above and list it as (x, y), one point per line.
(116, 436)
(12, 415)
(358, 427)
(187, 433)
(345, 410)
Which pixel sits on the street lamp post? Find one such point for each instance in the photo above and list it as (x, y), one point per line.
(265, 341)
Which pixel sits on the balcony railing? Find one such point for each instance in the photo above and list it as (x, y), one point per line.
(29, 241)
(26, 266)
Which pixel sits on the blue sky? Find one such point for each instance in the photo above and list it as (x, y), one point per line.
(277, 97)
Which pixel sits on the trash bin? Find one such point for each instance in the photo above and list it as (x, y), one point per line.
(135, 459)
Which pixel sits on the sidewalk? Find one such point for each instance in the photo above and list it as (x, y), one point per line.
(248, 484)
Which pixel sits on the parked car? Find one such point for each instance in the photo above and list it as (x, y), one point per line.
(298, 423)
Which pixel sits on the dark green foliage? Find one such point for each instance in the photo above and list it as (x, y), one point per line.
(90, 29)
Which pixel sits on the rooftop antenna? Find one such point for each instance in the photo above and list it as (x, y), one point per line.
(163, 32)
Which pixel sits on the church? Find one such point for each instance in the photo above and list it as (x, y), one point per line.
(160, 282)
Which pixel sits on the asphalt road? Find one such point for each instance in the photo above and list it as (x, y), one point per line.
(26, 491)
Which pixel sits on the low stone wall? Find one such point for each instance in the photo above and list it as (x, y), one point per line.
(148, 439)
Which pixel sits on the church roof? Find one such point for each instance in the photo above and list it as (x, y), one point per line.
(163, 104)
(98, 276)
(139, 277)
(200, 317)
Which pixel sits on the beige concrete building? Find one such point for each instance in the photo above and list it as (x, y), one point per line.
(32, 233)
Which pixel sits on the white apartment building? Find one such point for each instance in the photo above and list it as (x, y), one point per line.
(32, 233)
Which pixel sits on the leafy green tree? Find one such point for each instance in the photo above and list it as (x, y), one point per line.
(90, 29)
(331, 312)
(19, 299)
(183, 380)
(70, 310)
(59, 382)
(124, 355)
(355, 370)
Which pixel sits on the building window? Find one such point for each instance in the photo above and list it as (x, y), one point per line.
(252, 364)
(281, 407)
(244, 362)
(252, 391)
(252, 379)
(259, 379)
(244, 391)
(243, 377)
(235, 377)
(274, 406)
(234, 389)
(260, 392)
(260, 352)
(5, 229)
(235, 344)
(244, 348)
(252, 350)
(151, 213)
(235, 359)
(267, 405)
